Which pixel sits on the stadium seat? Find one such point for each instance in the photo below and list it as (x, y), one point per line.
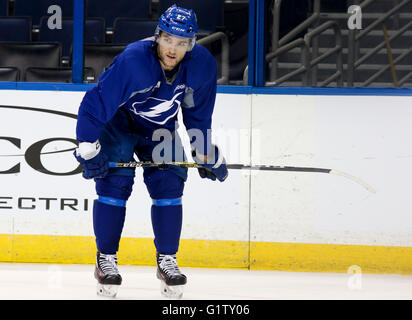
(128, 30)
(22, 55)
(110, 10)
(9, 74)
(20, 26)
(4, 7)
(209, 13)
(94, 30)
(37, 9)
(100, 56)
(56, 75)
(94, 33)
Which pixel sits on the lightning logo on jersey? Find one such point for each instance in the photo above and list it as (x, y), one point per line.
(159, 110)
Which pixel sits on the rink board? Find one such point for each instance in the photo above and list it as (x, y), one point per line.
(215, 254)
(296, 221)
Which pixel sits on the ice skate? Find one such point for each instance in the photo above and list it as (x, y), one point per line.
(172, 281)
(107, 275)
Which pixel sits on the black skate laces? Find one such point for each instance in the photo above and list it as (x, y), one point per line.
(108, 263)
(168, 264)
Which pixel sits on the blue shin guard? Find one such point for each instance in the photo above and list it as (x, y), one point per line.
(108, 221)
(167, 225)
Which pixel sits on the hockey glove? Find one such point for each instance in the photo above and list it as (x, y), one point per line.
(94, 162)
(213, 170)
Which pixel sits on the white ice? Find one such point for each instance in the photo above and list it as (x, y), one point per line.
(67, 282)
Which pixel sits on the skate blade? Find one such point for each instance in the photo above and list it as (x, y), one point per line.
(171, 292)
(107, 290)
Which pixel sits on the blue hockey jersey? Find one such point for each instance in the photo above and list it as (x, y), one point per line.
(136, 82)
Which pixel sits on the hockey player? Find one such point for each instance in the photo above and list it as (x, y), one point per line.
(141, 92)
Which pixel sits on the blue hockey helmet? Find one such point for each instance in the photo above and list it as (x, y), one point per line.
(179, 22)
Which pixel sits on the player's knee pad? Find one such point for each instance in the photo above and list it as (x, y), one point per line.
(114, 187)
(163, 184)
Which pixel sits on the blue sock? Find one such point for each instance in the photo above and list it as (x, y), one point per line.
(167, 225)
(108, 224)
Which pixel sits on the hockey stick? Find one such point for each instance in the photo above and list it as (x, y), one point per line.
(246, 167)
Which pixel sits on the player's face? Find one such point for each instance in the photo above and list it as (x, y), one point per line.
(171, 50)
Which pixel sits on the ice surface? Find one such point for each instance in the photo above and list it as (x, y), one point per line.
(67, 282)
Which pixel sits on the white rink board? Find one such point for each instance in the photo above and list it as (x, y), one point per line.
(212, 210)
(31, 127)
(367, 137)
